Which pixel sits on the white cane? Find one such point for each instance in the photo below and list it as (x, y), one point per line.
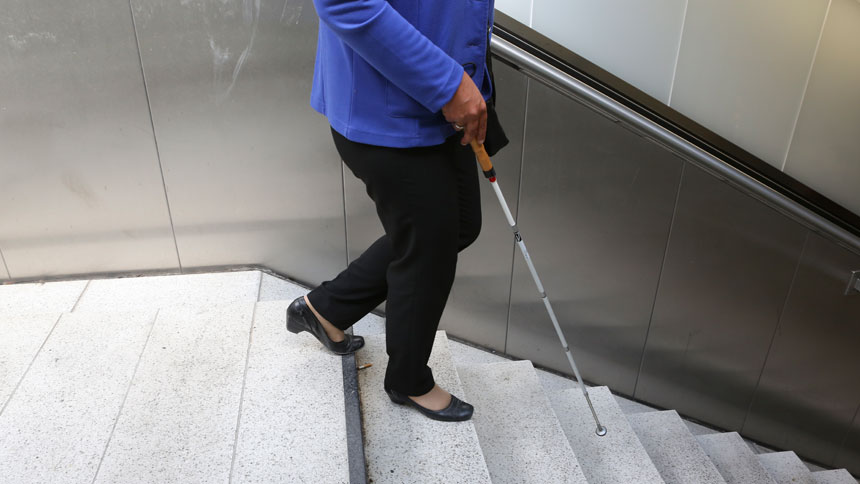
(490, 173)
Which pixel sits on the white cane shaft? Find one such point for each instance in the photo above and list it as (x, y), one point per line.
(502, 201)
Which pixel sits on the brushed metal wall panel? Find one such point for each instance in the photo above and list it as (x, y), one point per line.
(809, 390)
(477, 309)
(743, 66)
(595, 210)
(849, 455)
(728, 269)
(251, 171)
(637, 41)
(519, 10)
(80, 187)
(825, 148)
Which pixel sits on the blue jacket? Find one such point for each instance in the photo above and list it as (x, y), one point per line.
(384, 69)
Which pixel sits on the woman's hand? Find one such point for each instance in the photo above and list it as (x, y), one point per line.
(468, 109)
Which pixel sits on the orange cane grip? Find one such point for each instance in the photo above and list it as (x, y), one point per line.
(483, 159)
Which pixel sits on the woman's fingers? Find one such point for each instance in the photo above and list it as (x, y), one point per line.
(482, 125)
(468, 109)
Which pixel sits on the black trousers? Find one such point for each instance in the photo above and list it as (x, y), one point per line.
(428, 201)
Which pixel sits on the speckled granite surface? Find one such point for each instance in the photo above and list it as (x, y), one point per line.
(198, 290)
(59, 420)
(50, 297)
(673, 449)
(519, 434)
(616, 457)
(402, 445)
(786, 468)
(734, 459)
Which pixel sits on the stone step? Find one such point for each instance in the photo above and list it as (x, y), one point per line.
(836, 476)
(786, 468)
(401, 445)
(292, 427)
(521, 439)
(734, 459)
(673, 449)
(616, 457)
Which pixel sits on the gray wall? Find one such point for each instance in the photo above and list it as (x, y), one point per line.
(177, 135)
(776, 77)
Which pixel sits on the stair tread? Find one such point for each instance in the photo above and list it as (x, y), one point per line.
(734, 459)
(616, 457)
(519, 434)
(401, 445)
(292, 427)
(835, 476)
(673, 449)
(786, 468)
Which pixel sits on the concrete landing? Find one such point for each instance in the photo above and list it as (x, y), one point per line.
(786, 468)
(734, 459)
(519, 434)
(616, 457)
(673, 449)
(404, 446)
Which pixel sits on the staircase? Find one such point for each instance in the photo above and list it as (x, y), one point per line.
(193, 378)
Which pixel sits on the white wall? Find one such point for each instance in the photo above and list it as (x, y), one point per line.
(777, 77)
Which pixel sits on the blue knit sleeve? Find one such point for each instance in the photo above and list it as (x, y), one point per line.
(395, 48)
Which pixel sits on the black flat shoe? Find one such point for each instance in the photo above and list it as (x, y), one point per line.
(301, 318)
(456, 411)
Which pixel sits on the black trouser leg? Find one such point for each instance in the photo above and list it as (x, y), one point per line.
(428, 201)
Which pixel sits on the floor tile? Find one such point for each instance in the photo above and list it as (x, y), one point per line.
(56, 426)
(178, 424)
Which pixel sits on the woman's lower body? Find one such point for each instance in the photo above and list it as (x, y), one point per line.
(428, 201)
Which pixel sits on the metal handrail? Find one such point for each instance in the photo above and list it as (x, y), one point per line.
(581, 92)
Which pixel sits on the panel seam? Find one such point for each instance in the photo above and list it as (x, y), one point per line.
(27, 371)
(660, 276)
(155, 138)
(841, 447)
(532, 14)
(5, 266)
(517, 214)
(678, 54)
(805, 87)
(125, 397)
(776, 329)
(242, 393)
(345, 221)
